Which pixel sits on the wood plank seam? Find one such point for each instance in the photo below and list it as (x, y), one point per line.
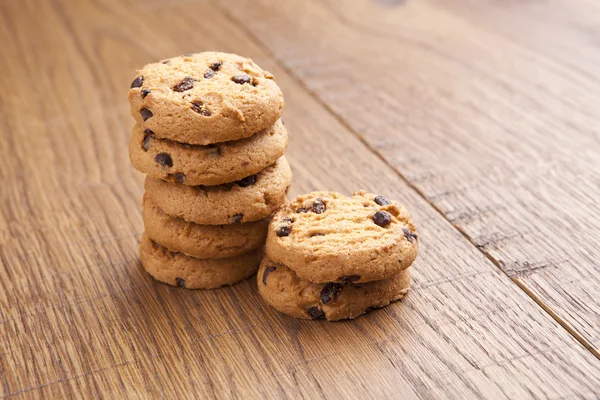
(558, 319)
(585, 343)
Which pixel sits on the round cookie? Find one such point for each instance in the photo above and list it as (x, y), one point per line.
(206, 165)
(177, 269)
(202, 241)
(205, 98)
(250, 199)
(328, 237)
(285, 291)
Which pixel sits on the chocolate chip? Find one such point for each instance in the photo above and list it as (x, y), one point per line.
(146, 113)
(186, 84)
(241, 79)
(209, 74)
(148, 136)
(329, 291)
(145, 92)
(410, 236)
(137, 82)
(268, 270)
(302, 210)
(166, 61)
(315, 313)
(288, 219)
(179, 177)
(201, 109)
(164, 159)
(180, 282)
(284, 230)
(318, 207)
(216, 66)
(237, 218)
(382, 218)
(382, 201)
(247, 181)
(349, 278)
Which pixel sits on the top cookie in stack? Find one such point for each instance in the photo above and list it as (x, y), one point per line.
(203, 99)
(208, 136)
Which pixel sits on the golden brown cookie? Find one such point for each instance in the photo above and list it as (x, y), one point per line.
(206, 165)
(177, 269)
(328, 237)
(285, 291)
(251, 199)
(205, 98)
(202, 241)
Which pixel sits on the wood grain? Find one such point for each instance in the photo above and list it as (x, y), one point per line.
(488, 109)
(80, 318)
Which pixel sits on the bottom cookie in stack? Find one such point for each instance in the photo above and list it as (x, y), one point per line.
(335, 257)
(178, 269)
(288, 293)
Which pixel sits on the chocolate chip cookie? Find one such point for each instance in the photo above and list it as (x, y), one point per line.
(328, 237)
(202, 241)
(177, 269)
(206, 165)
(285, 291)
(250, 199)
(205, 98)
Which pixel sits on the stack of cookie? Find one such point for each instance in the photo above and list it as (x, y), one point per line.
(209, 137)
(335, 257)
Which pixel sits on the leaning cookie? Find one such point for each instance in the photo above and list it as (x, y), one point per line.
(202, 241)
(250, 199)
(177, 269)
(285, 291)
(328, 237)
(206, 165)
(205, 98)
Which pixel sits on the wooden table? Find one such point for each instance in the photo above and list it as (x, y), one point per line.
(482, 117)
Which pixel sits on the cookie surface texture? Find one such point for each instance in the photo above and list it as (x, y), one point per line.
(249, 200)
(177, 269)
(202, 241)
(205, 98)
(328, 237)
(214, 164)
